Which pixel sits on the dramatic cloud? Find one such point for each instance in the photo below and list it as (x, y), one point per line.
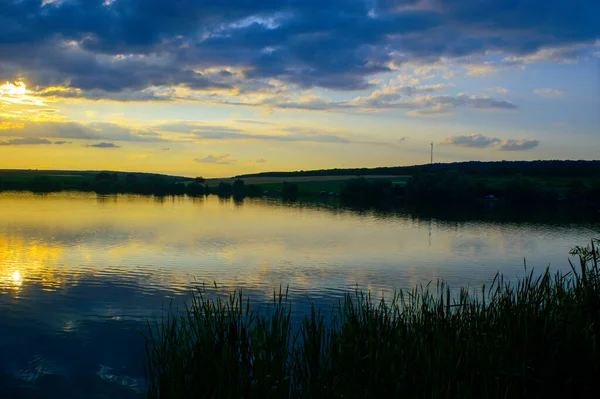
(395, 98)
(219, 159)
(132, 49)
(27, 141)
(480, 141)
(390, 97)
(103, 145)
(549, 93)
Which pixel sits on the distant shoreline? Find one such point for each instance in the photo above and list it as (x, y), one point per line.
(337, 172)
(516, 184)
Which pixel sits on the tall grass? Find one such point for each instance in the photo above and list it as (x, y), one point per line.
(534, 338)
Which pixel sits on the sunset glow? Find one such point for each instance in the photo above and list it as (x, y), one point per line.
(8, 89)
(236, 87)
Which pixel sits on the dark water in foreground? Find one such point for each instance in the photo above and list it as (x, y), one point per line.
(81, 274)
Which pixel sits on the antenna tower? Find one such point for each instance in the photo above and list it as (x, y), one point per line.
(432, 152)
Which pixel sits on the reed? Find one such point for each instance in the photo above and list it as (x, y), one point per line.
(534, 338)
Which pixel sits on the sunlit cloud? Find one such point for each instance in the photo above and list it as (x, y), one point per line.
(143, 155)
(103, 145)
(18, 103)
(240, 48)
(498, 89)
(413, 100)
(198, 132)
(481, 141)
(26, 141)
(224, 159)
(17, 93)
(549, 93)
(473, 140)
(82, 131)
(517, 145)
(252, 122)
(242, 76)
(11, 125)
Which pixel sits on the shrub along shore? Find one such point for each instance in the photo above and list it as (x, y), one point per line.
(533, 338)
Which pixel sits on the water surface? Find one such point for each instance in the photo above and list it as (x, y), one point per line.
(80, 274)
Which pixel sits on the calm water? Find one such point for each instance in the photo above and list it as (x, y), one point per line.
(80, 274)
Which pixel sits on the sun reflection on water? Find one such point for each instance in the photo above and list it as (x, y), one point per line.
(23, 261)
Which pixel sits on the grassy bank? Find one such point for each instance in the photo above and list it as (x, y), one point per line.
(537, 337)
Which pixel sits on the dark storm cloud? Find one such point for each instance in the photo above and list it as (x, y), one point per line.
(324, 46)
(336, 44)
(528, 25)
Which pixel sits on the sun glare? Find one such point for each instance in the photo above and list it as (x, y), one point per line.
(16, 280)
(15, 98)
(15, 89)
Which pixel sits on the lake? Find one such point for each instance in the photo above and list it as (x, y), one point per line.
(80, 274)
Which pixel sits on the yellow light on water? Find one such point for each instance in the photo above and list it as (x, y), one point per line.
(15, 280)
(23, 261)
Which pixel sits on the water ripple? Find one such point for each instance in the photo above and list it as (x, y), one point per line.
(81, 275)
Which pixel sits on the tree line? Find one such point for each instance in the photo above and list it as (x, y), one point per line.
(239, 190)
(143, 184)
(477, 168)
(455, 187)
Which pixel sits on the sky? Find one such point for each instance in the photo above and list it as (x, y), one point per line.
(225, 87)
